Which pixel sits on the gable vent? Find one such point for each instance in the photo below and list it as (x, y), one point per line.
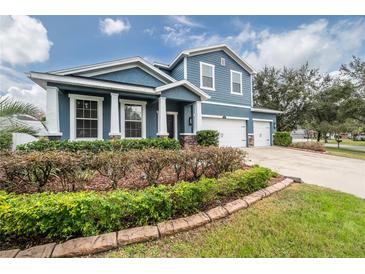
(223, 62)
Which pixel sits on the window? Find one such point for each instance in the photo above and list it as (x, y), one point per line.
(133, 121)
(207, 76)
(86, 117)
(236, 82)
(223, 62)
(133, 118)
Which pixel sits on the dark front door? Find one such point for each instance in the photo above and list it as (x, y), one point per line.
(170, 125)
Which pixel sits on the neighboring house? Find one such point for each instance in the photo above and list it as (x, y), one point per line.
(204, 88)
(23, 120)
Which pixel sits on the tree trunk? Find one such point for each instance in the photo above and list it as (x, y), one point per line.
(318, 136)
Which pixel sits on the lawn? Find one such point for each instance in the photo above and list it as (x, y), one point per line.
(301, 221)
(347, 142)
(346, 153)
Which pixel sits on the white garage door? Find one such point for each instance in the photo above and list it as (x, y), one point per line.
(232, 132)
(261, 132)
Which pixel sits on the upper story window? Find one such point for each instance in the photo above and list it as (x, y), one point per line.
(236, 82)
(223, 62)
(207, 76)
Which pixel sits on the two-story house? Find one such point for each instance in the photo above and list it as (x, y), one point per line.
(204, 88)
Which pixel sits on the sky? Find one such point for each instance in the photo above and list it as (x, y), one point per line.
(46, 43)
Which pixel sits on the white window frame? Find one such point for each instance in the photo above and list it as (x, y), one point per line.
(99, 100)
(240, 74)
(124, 102)
(175, 114)
(201, 76)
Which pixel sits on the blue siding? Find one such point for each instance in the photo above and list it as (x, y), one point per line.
(222, 91)
(210, 109)
(178, 71)
(134, 76)
(181, 94)
(64, 106)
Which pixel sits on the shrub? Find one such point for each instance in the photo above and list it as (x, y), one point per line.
(152, 162)
(316, 146)
(101, 145)
(224, 159)
(207, 138)
(64, 215)
(5, 141)
(112, 165)
(282, 139)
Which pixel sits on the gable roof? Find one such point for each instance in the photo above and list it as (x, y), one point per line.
(203, 50)
(187, 85)
(111, 66)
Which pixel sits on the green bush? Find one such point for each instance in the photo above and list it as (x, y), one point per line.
(207, 138)
(282, 139)
(64, 215)
(5, 141)
(315, 146)
(101, 145)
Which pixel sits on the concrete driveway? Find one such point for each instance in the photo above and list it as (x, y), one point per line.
(339, 173)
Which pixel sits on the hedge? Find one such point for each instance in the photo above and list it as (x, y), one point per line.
(282, 139)
(64, 215)
(101, 145)
(207, 138)
(315, 146)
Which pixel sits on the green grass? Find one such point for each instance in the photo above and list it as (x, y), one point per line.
(301, 221)
(347, 142)
(346, 153)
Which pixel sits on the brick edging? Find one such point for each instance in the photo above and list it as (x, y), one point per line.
(104, 242)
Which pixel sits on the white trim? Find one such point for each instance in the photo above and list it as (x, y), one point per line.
(201, 76)
(251, 91)
(186, 84)
(224, 104)
(203, 50)
(197, 115)
(212, 116)
(77, 81)
(52, 112)
(162, 117)
(124, 102)
(114, 115)
(175, 122)
(263, 120)
(240, 74)
(73, 98)
(250, 133)
(267, 111)
(103, 65)
(185, 68)
(236, 118)
(223, 62)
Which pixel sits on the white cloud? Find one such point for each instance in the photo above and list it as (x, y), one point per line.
(23, 40)
(321, 44)
(110, 26)
(15, 85)
(184, 20)
(150, 31)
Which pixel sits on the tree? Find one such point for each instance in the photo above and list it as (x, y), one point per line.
(10, 107)
(288, 90)
(354, 74)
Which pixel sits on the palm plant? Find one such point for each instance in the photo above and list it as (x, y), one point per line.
(9, 107)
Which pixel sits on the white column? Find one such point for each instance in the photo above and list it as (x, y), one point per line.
(162, 124)
(197, 113)
(114, 115)
(52, 112)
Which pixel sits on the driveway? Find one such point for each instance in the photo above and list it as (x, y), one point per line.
(339, 173)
